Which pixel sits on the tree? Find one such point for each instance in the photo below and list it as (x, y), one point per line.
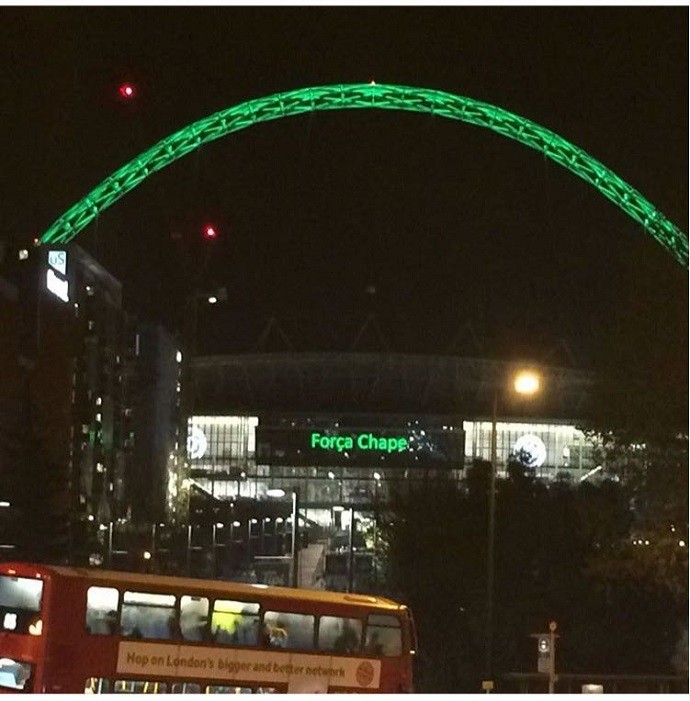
(557, 551)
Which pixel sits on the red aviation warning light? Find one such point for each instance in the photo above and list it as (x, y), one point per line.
(127, 91)
(210, 232)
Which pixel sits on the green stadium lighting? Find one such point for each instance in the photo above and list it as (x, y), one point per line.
(369, 96)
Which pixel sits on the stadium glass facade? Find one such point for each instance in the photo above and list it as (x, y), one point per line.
(338, 463)
(342, 433)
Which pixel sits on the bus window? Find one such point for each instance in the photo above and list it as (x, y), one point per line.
(290, 630)
(235, 622)
(193, 618)
(340, 634)
(97, 685)
(383, 637)
(185, 688)
(20, 602)
(219, 689)
(147, 615)
(14, 675)
(139, 686)
(101, 610)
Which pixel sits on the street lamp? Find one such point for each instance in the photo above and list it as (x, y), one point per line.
(377, 481)
(186, 359)
(214, 545)
(278, 493)
(249, 537)
(525, 382)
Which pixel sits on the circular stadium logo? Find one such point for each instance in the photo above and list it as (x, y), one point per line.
(196, 443)
(530, 450)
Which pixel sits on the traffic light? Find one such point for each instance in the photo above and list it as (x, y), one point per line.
(544, 652)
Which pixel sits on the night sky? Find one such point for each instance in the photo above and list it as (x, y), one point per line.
(433, 226)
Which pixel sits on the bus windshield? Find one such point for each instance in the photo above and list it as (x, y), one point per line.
(20, 604)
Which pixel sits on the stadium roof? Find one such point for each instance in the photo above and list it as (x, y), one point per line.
(381, 383)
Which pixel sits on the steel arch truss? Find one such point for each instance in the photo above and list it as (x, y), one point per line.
(369, 96)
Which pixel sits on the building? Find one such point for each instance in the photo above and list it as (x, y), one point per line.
(103, 433)
(347, 430)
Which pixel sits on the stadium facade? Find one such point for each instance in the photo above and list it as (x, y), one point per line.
(347, 429)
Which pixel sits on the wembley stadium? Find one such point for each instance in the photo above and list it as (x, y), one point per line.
(345, 429)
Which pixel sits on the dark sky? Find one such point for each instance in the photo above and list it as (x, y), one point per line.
(452, 225)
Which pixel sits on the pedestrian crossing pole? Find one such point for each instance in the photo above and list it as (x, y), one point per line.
(546, 654)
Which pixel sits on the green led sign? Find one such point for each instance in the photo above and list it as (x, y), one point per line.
(370, 96)
(363, 441)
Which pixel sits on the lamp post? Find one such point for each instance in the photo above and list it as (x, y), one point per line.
(264, 521)
(279, 539)
(294, 549)
(189, 549)
(525, 383)
(351, 553)
(377, 481)
(295, 535)
(249, 537)
(111, 534)
(186, 358)
(233, 525)
(214, 545)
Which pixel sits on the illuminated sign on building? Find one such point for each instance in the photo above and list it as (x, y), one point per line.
(197, 445)
(363, 441)
(58, 261)
(56, 285)
(55, 282)
(530, 450)
(408, 445)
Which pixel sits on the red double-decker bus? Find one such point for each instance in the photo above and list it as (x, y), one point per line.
(73, 630)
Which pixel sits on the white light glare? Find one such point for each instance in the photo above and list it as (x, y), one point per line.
(527, 383)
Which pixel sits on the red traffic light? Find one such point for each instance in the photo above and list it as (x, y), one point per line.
(127, 91)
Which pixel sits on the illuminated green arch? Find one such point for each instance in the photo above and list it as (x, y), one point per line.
(369, 96)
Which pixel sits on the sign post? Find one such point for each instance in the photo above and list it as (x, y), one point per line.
(546, 654)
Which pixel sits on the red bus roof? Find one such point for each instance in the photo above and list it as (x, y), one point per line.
(201, 586)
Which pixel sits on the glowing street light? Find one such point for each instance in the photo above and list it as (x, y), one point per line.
(526, 383)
